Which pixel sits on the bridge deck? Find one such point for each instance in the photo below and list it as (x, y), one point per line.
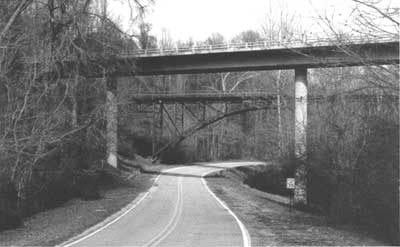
(251, 46)
(240, 59)
(264, 59)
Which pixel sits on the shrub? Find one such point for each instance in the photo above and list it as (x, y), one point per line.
(179, 154)
(353, 175)
(134, 143)
(66, 172)
(272, 180)
(9, 214)
(378, 177)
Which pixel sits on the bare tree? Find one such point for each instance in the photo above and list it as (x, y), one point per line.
(41, 111)
(283, 28)
(346, 153)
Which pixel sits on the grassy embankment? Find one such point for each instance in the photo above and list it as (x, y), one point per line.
(271, 222)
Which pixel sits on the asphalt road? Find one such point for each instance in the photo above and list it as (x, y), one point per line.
(179, 210)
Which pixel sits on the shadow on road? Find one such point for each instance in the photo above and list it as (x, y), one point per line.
(213, 165)
(176, 173)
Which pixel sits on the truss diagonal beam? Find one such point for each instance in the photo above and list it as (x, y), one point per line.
(192, 114)
(172, 121)
(204, 124)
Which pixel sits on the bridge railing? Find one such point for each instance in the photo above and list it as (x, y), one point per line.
(259, 45)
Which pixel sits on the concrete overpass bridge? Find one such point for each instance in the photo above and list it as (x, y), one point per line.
(244, 57)
(256, 56)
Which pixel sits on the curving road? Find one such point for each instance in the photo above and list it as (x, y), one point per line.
(179, 210)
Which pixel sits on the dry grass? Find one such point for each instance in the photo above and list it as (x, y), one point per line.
(54, 226)
(270, 223)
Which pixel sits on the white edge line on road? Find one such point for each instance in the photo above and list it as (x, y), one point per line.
(173, 221)
(87, 235)
(245, 234)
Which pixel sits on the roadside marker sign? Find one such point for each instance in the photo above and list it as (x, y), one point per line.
(289, 183)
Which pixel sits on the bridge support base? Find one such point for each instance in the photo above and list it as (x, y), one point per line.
(112, 121)
(300, 135)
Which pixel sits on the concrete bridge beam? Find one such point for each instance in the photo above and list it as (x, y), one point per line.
(300, 134)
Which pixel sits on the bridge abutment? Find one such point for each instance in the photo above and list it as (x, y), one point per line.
(112, 121)
(300, 135)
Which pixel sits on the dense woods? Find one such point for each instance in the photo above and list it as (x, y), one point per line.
(52, 141)
(52, 126)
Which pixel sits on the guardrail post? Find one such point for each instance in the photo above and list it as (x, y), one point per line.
(300, 135)
(112, 120)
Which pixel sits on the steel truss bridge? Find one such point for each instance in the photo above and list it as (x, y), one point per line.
(169, 109)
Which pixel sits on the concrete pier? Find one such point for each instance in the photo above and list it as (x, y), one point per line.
(300, 134)
(112, 121)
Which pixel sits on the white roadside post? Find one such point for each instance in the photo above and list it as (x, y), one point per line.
(112, 121)
(290, 185)
(300, 135)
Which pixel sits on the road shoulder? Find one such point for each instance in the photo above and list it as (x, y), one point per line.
(271, 223)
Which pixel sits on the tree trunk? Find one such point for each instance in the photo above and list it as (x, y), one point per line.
(74, 102)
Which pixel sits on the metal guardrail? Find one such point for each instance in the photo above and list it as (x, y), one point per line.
(260, 45)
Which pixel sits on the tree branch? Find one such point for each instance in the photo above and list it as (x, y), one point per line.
(21, 7)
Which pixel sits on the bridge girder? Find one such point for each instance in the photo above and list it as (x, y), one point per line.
(383, 53)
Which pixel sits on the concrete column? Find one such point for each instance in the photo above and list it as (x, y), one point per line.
(153, 131)
(161, 120)
(112, 121)
(300, 134)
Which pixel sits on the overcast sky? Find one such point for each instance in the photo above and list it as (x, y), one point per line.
(198, 19)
